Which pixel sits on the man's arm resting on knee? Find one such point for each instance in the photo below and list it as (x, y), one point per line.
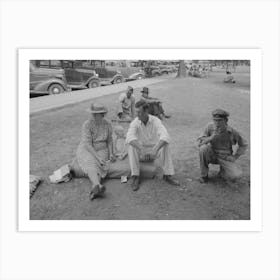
(136, 145)
(157, 147)
(242, 146)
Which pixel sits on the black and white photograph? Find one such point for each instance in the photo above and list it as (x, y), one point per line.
(140, 139)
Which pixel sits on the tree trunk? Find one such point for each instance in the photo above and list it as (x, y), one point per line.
(182, 73)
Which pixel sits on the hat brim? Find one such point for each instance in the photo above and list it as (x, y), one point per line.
(144, 91)
(96, 112)
(219, 118)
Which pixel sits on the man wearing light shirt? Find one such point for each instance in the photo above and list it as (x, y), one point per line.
(126, 105)
(148, 140)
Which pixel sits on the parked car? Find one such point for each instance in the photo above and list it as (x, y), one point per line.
(107, 75)
(151, 69)
(77, 77)
(46, 80)
(166, 69)
(129, 69)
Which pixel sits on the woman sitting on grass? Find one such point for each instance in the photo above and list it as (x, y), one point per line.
(96, 148)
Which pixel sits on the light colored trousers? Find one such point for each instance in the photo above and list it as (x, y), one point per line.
(164, 160)
(228, 169)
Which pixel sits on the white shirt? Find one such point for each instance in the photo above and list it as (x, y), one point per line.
(125, 101)
(148, 134)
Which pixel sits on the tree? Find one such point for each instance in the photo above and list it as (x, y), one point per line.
(182, 73)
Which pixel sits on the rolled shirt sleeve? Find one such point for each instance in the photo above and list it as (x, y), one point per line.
(206, 132)
(161, 130)
(241, 142)
(122, 97)
(132, 132)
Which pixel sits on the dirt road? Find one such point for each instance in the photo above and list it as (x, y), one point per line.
(54, 137)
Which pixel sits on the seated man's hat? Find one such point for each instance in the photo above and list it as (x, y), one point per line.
(220, 114)
(145, 90)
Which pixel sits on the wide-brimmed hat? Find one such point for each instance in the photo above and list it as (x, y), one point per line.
(220, 114)
(145, 90)
(97, 108)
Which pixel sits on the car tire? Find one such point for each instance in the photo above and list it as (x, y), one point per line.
(93, 84)
(118, 80)
(55, 89)
(140, 77)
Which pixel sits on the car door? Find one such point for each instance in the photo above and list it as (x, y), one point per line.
(99, 67)
(122, 67)
(73, 77)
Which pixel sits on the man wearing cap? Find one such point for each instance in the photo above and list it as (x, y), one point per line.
(216, 147)
(148, 140)
(126, 105)
(155, 105)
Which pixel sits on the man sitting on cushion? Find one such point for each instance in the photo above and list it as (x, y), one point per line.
(148, 140)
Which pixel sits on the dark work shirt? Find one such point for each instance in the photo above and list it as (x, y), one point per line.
(222, 143)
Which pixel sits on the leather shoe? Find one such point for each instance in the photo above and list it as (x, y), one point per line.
(135, 184)
(102, 190)
(170, 180)
(94, 192)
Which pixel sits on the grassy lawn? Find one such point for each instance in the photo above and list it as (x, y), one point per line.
(54, 137)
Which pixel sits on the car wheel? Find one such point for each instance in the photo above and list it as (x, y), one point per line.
(55, 89)
(93, 84)
(118, 80)
(140, 77)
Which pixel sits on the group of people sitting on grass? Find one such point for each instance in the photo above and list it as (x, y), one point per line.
(198, 71)
(126, 105)
(229, 78)
(107, 152)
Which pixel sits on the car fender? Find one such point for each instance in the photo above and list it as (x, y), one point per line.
(91, 79)
(44, 85)
(135, 75)
(117, 76)
(156, 72)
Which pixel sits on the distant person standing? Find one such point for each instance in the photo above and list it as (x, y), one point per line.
(215, 146)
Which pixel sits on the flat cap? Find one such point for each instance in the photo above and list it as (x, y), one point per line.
(129, 88)
(145, 90)
(220, 114)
